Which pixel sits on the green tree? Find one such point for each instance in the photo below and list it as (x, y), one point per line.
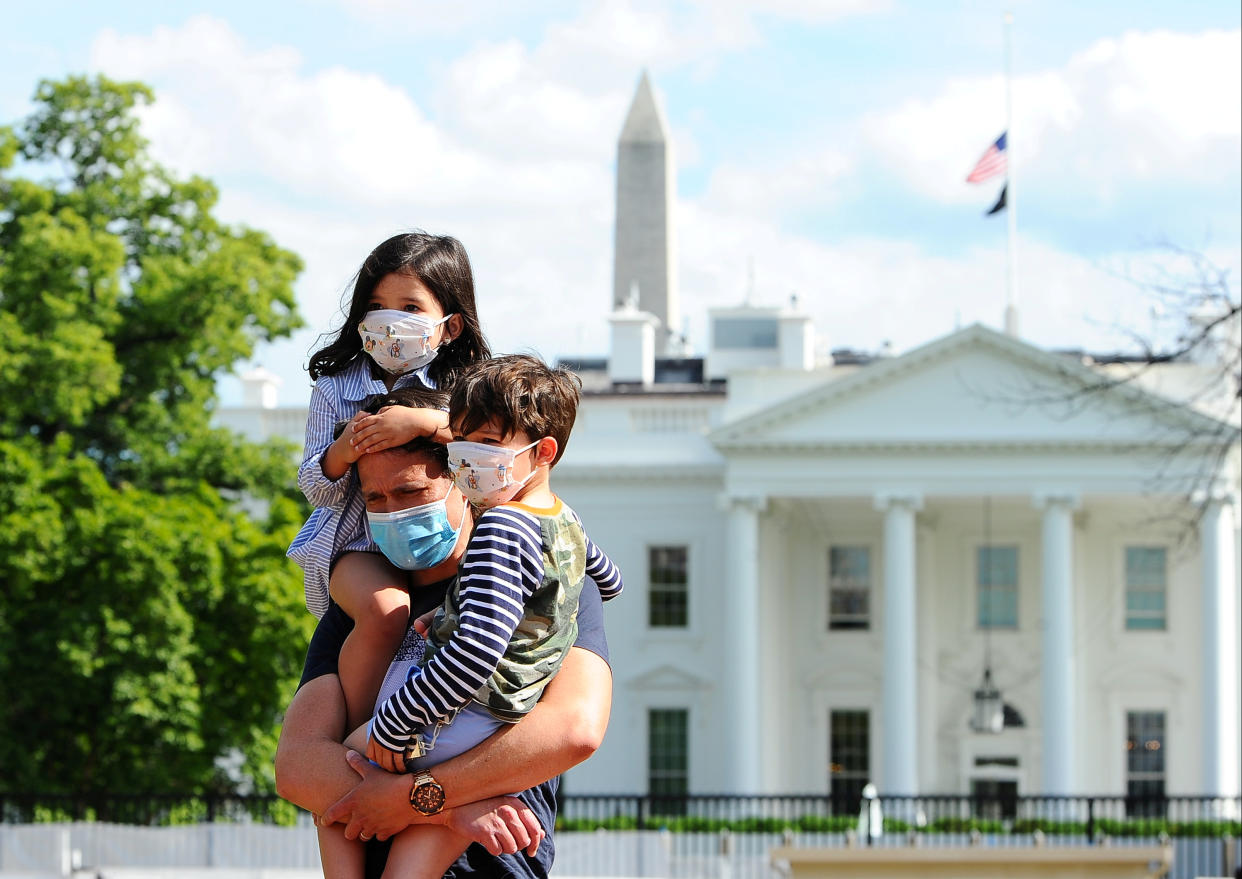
(147, 624)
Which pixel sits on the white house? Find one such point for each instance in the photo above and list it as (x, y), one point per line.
(821, 562)
(822, 559)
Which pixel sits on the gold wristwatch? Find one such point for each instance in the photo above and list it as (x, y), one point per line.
(426, 795)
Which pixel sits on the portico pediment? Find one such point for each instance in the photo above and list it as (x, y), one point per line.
(668, 677)
(974, 388)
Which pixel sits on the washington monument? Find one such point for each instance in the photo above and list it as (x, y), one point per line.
(645, 248)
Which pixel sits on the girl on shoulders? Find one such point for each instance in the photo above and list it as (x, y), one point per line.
(412, 320)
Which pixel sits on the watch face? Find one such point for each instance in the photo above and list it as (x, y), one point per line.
(427, 796)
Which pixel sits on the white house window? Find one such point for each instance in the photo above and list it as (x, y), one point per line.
(1145, 762)
(849, 587)
(996, 572)
(668, 598)
(849, 758)
(1146, 588)
(668, 751)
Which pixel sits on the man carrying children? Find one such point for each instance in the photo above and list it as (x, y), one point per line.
(516, 411)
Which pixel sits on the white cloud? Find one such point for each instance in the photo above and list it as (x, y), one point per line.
(1122, 110)
(334, 134)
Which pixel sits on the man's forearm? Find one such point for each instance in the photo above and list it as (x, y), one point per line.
(563, 729)
(311, 771)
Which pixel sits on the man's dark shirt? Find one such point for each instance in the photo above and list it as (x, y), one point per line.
(321, 659)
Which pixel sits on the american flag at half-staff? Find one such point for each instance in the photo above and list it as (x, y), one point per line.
(994, 161)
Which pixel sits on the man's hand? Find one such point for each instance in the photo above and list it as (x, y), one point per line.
(502, 825)
(372, 808)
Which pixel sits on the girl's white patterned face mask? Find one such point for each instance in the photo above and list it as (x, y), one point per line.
(398, 341)
(484, 473)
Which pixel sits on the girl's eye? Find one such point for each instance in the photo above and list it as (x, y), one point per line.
(412, 307)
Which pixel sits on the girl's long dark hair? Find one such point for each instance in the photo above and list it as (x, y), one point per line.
(441, 263)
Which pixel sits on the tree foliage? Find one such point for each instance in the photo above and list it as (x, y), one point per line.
(147, 624)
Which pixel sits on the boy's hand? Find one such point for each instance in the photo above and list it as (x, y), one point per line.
(502, 825)
(393, 761)
(422, 624)
(395, 425)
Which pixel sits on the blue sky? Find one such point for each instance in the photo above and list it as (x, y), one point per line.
(824, 141)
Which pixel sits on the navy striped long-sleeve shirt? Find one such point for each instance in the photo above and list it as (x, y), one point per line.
(515, 609)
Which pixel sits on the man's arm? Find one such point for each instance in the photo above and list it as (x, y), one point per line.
(312, 772)
(563, 729)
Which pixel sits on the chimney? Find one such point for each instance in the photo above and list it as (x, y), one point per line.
(797, 338)
(632, 358)
(259, 388)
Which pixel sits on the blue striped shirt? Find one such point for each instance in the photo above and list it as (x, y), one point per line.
(339, 522)
(505, 565)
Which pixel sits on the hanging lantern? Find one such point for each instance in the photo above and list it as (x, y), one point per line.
(989, 716)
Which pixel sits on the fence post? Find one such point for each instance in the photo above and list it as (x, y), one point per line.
(642, 820)
(1090, 820)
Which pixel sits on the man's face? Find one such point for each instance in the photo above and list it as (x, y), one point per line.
(397, 480)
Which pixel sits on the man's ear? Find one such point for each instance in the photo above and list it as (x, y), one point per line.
(545, 452)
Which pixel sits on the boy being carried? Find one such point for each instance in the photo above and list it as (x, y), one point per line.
(505, 627)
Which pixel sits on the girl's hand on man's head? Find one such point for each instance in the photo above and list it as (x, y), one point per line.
(392, 426)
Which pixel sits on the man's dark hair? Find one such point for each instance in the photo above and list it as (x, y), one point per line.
(520, 393)
(416, 397)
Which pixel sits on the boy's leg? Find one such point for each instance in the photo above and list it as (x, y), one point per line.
(341, 858)
(373, 592)
(423, 851)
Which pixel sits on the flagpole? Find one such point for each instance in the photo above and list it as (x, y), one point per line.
(1011, 192)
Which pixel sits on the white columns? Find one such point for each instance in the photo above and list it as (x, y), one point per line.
(899, 748)
(1059, 691)
(1222, 738)
(743, 705)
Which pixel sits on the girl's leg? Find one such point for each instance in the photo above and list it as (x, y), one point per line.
(341, 858)
(373, 592)
(423, 851)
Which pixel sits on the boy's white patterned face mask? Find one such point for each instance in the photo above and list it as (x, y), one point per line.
(484, 473)
(398, 341)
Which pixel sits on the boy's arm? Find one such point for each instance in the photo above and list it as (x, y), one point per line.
(600, 568)
(502, 566)
(563, 729)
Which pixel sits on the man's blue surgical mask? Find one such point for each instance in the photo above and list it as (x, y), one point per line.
(418, 538)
